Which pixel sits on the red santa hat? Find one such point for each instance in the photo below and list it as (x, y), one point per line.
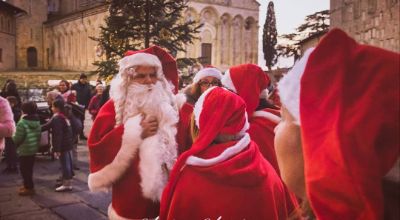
(155, 56)
(248, 81)
(208, 71)
(213, 119)
(346, 98)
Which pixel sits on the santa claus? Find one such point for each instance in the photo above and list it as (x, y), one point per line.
(132, 142)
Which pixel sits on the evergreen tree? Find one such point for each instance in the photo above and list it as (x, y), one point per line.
(269, 37)
(138, 24)
(316, 23)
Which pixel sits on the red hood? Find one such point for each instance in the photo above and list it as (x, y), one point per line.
(244, 169)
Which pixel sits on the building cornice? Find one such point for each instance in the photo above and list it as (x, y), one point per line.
(77, 15)
(213, 2)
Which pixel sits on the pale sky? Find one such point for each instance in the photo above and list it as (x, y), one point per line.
(289, 15)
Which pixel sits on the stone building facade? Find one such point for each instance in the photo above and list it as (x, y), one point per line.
(59, 31)
(8, 16)
(374, 22)
(311, 41)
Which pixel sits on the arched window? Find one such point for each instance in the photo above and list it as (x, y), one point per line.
(32, 57)
(372, 4)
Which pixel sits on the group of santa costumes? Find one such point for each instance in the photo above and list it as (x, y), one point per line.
(229, 170)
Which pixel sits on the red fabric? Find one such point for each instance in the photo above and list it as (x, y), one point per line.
(274, 97)
(261, 129)
(104, 143)
(349, 113)
(94, 106)
(168, 62)
(249, 80)
(262, 132)
(244, 176)
(184, 137)
(242, 187)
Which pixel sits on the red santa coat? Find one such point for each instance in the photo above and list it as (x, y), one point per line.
(238, 188)
(262, 125)
(184, 137)
(107, 146)
(262, 122)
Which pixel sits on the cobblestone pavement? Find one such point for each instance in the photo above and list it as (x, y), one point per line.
(47, 204)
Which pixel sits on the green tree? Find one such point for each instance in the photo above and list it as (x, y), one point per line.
(269, 37)
(138, 24)
(314, 24)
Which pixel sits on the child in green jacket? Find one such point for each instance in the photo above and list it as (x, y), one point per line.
(26, 139)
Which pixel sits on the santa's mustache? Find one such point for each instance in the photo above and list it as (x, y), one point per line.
(141, 88)
(146, 95)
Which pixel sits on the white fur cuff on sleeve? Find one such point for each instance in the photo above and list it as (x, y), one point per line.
(103, 179)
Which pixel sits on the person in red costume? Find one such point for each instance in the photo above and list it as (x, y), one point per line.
(250, 82)
(132, 142)
(223, 175)
(204, 79)
(338, 141)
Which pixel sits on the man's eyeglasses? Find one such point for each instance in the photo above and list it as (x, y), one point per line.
(209, 84)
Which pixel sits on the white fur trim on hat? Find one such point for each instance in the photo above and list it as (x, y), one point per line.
(139, 59)
(227, 81)
(214, 72)
(198, 107)
(226, 154)
(289, 86)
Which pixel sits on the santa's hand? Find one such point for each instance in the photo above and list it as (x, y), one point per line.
(149, 125)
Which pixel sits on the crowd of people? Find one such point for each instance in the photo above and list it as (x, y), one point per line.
(225, 147)
(64, 119)
(219, 149)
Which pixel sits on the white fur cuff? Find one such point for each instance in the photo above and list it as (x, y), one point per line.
(103, 179)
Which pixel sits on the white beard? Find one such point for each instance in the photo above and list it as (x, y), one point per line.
(159, 151)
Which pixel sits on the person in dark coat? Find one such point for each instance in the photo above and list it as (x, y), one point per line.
(83, 96)
(76, 126)
(10, 89)
(62, 141)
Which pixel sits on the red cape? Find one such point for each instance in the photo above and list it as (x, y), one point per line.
(262, 132)
(242, 187)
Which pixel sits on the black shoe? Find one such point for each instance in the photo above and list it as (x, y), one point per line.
(77, 168)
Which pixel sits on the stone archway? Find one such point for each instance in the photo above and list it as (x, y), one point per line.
(32, 57)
